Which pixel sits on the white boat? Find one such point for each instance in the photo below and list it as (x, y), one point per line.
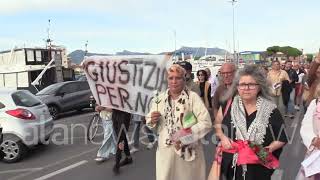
(19, 67)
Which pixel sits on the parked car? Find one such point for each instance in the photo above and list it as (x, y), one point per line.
(66, 96)
(26, 122)
(82, 78)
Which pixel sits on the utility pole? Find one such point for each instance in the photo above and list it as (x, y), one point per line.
(175, 43)
(49, 40)
(86, 48)
(233, 2)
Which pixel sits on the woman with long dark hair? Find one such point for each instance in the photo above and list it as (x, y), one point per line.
(205, 88)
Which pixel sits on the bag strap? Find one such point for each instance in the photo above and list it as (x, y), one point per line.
(227, 107)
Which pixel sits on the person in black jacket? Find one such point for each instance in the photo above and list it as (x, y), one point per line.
(121, 122)
(285, 91)
(293, 79)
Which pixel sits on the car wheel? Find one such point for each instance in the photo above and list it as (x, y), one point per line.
(53, 111)
(13, 149)
(94, 127)
(45, 141)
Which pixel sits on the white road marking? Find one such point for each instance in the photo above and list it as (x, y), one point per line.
(20, 170)
(61, 170)
(55, 163)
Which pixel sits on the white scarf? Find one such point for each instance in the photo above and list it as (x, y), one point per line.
(173, 114)
(258, 128)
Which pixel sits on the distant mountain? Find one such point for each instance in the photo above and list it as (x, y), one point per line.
(78, 55)
(125, 52)
(201, 51)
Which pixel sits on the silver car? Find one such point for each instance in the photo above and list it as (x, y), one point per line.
(26, 122)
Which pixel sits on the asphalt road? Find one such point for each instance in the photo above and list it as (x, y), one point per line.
(71, 156)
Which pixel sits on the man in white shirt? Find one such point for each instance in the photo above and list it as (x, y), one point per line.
(213, 80)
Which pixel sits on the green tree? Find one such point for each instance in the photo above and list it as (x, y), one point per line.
(309, 57)
(287, 50)
(290, 51)
(271, 51)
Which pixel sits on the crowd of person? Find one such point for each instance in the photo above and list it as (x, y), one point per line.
(245, 107)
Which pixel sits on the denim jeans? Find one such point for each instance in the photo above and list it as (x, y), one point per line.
(109, 141)
(279, 102)
(290, 108)
(136, 134)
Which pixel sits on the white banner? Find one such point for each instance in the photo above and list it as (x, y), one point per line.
(126, 83)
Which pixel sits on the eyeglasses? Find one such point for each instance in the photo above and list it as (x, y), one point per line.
(226, 73)
(250, 86)
(200, 74)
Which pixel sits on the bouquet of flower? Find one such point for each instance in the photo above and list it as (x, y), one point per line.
(266, 158)
(251, 153)
(183, 135)
(261, 152)
(157, 99)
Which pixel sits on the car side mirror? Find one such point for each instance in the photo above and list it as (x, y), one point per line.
(2, 105)
(61, 94)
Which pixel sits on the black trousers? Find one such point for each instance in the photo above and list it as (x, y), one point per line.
(121, 122)
(1, 140)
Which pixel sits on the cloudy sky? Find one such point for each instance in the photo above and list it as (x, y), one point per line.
(148, 25)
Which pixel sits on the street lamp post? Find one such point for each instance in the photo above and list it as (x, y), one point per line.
(233, 33)
(86, 48)
(175, 44)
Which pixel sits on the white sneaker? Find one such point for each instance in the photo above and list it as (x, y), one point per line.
(100, 159)
(133, 150)
(296, 107)
(130, 143)
(150, 145)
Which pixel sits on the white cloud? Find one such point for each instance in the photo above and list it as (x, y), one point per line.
(8, 43)
(116, 6)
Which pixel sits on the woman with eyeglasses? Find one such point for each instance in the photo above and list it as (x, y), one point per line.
(205, 88)
(250, 118)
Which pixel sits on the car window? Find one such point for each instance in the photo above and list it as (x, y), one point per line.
(84, 86)
(70, 88)
(2, 105)
(25, 99)
(52, 89)
(82, 78)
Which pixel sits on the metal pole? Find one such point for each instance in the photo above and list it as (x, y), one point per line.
(17, 79)
(86, 48)
(234, 46)
(175, 43)
(175, 40)
(235, 59)
(4, 80)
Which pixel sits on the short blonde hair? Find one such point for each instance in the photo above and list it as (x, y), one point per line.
(177, 68)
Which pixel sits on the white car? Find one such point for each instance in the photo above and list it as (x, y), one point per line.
(26, 122)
